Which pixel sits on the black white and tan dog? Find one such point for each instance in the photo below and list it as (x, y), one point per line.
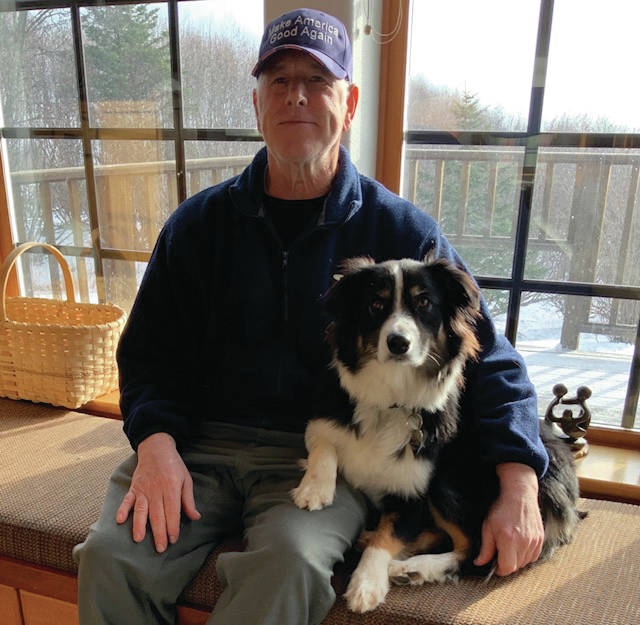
(401, 334)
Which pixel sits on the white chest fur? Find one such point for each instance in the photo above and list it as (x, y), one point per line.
(370, 460)
(387, 383)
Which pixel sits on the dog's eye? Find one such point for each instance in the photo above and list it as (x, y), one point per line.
(376, 306)
(422, 301)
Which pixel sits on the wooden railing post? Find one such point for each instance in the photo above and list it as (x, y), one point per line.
(46, 209)
(585, 229)
(492, 192)
(76, 225)
(438, 189)
(627, 229)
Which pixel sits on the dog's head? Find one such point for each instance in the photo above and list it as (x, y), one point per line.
(406, 312)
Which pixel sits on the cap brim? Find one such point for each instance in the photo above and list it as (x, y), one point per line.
(329, 63)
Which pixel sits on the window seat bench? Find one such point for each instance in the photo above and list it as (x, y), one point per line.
(54, 468)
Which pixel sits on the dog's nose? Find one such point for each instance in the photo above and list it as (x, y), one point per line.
(397, 344)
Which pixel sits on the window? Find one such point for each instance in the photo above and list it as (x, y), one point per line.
(110, 114)
(521, 139)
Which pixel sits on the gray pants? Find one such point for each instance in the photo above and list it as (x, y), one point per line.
(242, 478)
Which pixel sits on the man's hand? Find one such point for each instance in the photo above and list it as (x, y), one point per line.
(513, 526)
(160, 486)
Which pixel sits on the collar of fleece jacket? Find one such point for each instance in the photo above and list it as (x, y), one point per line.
(343, 200)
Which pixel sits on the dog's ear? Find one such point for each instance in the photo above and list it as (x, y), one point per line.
(461, 300)
(457, 285)
(430, 256)
(352, 265)
(342, 303)
(337, 299)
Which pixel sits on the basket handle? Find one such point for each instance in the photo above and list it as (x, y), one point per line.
(10, 260)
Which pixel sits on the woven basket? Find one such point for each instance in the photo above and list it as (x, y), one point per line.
(57, 352)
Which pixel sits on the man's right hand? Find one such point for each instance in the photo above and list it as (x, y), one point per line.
(160, 487)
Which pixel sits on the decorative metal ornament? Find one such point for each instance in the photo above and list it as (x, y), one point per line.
(573, 428)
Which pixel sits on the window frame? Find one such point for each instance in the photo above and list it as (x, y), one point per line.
(6, 243)
(394, 137)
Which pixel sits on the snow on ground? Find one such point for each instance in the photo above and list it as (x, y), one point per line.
(599, 363)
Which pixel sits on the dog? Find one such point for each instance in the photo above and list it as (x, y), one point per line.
(402, 333)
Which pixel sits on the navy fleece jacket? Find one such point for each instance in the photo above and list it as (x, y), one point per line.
(227, 324)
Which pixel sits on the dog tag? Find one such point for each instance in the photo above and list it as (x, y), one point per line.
(417, 441)
(417, 435)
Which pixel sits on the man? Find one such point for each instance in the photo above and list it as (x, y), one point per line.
(219, 357)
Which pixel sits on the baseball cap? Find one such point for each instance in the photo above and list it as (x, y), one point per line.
(321, 35)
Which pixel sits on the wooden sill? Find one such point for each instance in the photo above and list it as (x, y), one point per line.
(106, 406)
(608, 472)
(611, 469)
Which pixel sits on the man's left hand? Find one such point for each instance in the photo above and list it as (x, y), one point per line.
(513, 526)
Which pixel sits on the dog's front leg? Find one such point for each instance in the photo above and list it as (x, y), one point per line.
(318, 486)
(433, 567)
(369, 583)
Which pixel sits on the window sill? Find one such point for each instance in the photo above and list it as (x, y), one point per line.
(106, 406)
(610, 472)
(611, 469)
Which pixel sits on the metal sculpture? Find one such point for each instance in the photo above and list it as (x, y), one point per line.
(573, 427)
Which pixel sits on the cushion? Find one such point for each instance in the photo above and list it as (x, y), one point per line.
(53, 476)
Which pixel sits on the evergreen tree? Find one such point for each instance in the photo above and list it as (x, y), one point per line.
(126, 53)
(468, 112)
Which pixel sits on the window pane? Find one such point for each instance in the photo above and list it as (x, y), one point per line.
(473, 194)
(84, 275)
(40, 276)
(588, 87)
(137, 191)
(579, 341)
(211, 162)
(37, 72)
(219, 44)
(122, 279)
(471, 64)
(49, 192)
(585, 217)
(126, 54)
(497, 301)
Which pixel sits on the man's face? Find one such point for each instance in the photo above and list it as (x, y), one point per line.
(302, 110)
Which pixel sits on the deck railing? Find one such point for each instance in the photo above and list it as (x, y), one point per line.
(577, 195)
(133, 200)
(586, 211)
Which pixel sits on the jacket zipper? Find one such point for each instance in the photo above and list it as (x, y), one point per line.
(285, 285)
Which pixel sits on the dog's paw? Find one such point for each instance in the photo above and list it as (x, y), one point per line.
(415, 571)
(366, 592)
(314, 493)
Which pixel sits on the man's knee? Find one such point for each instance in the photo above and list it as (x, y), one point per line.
(106, 550)
(303, 556)
(296, 548)
(279, 545)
